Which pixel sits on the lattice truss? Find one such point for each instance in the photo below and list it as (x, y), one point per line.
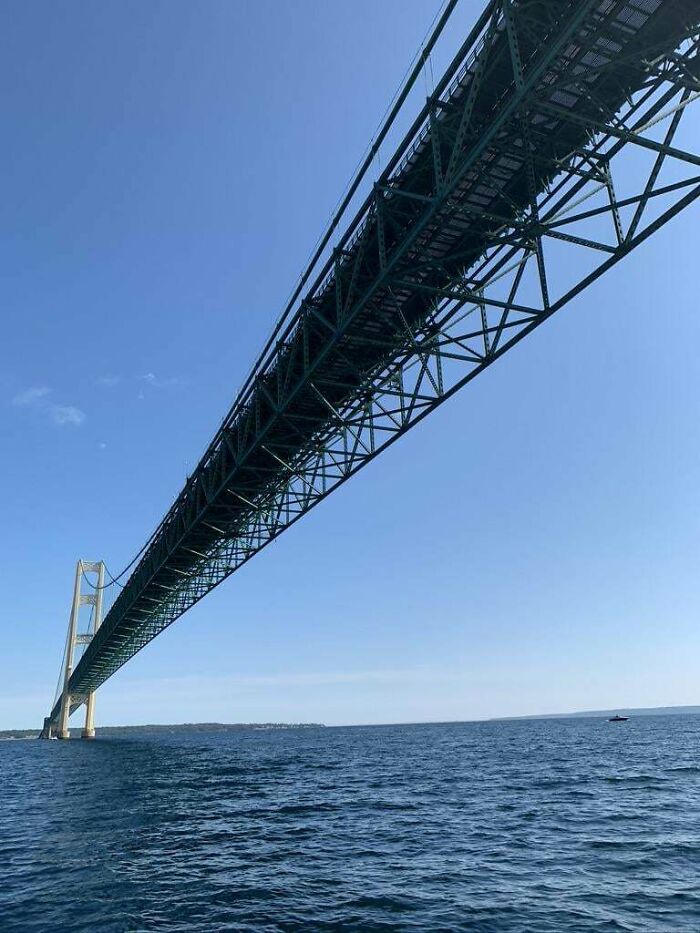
(584, 207)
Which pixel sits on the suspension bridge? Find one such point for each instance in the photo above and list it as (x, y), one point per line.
(547, 152)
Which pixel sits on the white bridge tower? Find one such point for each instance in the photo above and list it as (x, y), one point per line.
(93, 598)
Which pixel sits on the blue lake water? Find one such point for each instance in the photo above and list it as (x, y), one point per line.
(558, 825)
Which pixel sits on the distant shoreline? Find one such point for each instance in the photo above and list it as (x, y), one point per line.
(10, 734)
(622, 710)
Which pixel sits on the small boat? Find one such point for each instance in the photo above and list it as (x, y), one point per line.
(618, 718)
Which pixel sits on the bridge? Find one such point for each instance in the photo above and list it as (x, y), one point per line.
(518, 162)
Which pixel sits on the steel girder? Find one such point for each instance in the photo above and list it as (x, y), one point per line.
(456, 256)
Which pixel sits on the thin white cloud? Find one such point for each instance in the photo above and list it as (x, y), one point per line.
(303, 679)
(160, 382)
(37, 399)
(67, 414)
(333, 696)
(109, 381)
(31, 396)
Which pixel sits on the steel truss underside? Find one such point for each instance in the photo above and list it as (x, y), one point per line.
(462, 249)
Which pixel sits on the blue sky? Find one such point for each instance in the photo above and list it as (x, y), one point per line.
(531, 547)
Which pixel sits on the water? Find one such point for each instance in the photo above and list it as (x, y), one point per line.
(566, 825)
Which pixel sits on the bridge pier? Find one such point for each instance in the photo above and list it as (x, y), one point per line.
(89, 728)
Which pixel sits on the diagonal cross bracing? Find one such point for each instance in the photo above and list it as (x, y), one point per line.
(442, 271)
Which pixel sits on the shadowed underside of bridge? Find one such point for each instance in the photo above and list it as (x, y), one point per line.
(461, 249)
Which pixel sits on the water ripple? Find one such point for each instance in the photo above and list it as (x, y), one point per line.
(568, 825)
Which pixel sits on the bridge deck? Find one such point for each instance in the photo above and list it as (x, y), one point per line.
(530, 90)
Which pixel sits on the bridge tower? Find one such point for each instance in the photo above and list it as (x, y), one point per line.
(93, 598)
